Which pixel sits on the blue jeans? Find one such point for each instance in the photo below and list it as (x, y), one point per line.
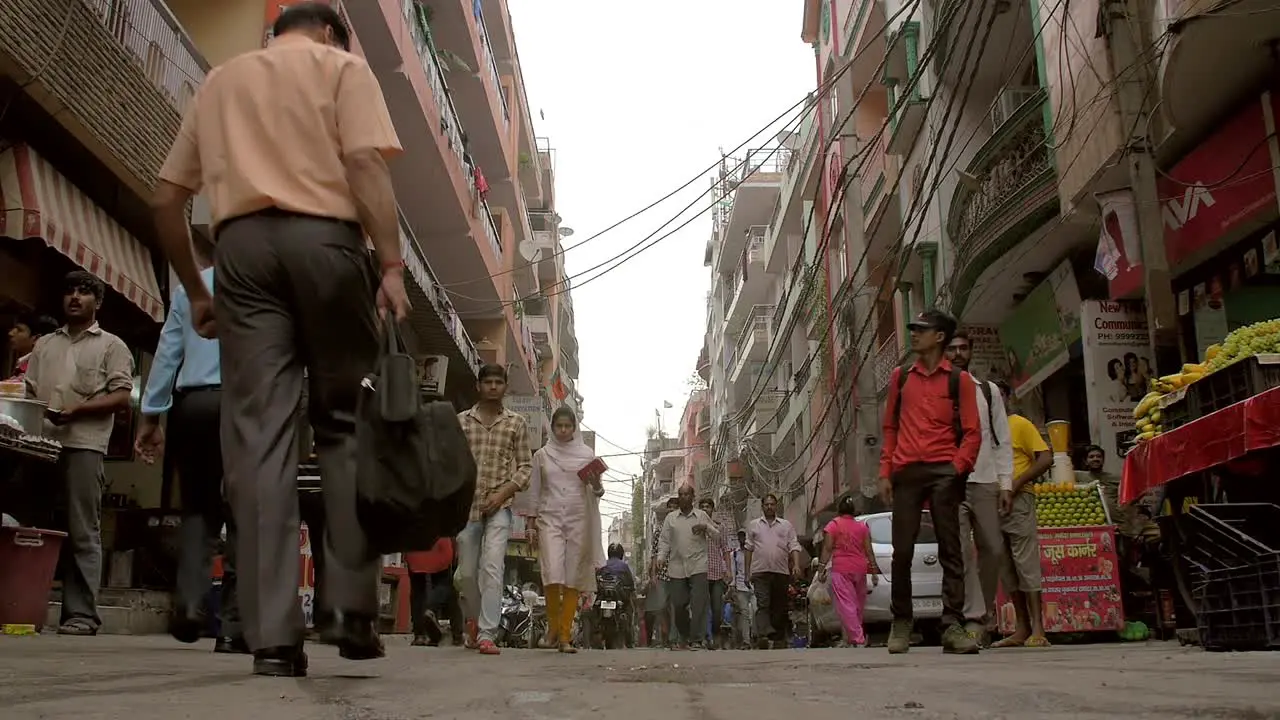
(482, 555)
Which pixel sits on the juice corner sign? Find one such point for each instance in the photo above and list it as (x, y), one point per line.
(1079, 580)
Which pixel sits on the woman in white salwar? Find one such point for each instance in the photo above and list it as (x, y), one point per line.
(568, 526)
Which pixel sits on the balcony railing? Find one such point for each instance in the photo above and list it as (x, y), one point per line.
(765, 160)
(439, 300)
(491, 232)
(165, 53)
(756, 237)
(1015, 160)
(887, 357)
(759, 320)
(486, 49)
(873, 173)
(451, 126)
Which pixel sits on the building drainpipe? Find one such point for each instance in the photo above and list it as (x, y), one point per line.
(928, 252)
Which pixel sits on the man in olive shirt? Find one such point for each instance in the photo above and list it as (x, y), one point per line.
(85, 374)
(687, 537)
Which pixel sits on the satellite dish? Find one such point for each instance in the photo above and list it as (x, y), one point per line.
(566, 232)
(530, 251)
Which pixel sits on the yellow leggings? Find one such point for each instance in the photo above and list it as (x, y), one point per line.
(562, 605)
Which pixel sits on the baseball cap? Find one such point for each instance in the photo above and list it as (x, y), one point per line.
(934, 320)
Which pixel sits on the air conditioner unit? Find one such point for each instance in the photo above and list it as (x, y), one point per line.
(1008, 102)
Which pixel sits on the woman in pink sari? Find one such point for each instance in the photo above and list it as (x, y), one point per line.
(847, 558)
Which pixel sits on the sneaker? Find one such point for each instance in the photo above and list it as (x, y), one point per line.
(957, 641)
(486, 647)
(978, 633)
(899, 637)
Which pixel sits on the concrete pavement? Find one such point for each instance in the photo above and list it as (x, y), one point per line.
(150, 678)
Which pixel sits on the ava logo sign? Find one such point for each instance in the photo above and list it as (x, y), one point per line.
(1177, 212)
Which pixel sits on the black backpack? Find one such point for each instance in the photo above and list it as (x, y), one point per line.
(415, 474)
(953, 390)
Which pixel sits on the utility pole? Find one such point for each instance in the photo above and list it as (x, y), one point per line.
(1134, 78)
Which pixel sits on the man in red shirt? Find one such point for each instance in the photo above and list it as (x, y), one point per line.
(932, 435)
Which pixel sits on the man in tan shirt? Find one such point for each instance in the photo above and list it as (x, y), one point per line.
(289, 145)
(85, 374)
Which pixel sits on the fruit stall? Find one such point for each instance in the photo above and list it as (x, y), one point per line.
(1207, 447)
(1080, 578)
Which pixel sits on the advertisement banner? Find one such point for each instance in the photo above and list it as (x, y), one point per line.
(989, 360)
(1080, 582)
(1198, 206)
(530, 406)
(1039, 333)
(1117, 370)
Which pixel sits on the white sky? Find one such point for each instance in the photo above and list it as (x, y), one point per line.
(638, 98)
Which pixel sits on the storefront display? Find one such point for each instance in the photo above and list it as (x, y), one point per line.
(1080, 581)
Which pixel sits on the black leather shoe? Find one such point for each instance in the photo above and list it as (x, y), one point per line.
(231, 645)
(186, 625)
(356, 636)
(280, 662)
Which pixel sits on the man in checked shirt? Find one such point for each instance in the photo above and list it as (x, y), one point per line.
(499, 440)
(718, 575)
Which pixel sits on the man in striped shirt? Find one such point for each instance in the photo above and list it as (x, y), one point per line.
(499, 440)
(718, 575)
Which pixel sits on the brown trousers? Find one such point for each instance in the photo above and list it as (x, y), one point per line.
(293, 292)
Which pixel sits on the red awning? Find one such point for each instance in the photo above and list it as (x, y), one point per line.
(1217, 438)
(37, 201)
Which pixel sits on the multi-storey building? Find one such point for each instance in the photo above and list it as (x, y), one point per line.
(964, 156)
(92, 95)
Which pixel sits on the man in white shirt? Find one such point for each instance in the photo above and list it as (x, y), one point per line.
(987, 495)
(686, 537)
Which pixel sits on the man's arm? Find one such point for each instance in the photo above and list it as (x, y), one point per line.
(1043, 461)
(889, 428)
(524, 456)
(970, 426)
(1000, 431)
(367, 139)
(32, 378)
(713, 532)
(793, 544)
(157, 397)
(180, 177)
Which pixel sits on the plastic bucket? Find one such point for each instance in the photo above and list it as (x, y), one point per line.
(28, 560)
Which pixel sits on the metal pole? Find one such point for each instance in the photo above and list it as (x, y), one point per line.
(1135, 84)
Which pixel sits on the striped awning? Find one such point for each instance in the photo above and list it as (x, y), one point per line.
(37, 201)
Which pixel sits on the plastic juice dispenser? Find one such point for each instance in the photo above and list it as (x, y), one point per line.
(1062, 472)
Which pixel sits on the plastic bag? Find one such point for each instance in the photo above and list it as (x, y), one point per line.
(820, 593)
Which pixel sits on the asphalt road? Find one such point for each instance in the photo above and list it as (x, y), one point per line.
(146, 678)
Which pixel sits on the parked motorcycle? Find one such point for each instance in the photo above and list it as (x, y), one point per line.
(523, 618)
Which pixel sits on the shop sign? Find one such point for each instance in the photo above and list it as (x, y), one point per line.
(1038, 335)
(1224, 184)
(1117, 370)
(530, 406)
(989, 360)
(1080, 583)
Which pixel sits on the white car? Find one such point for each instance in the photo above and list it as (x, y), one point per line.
(926, 573)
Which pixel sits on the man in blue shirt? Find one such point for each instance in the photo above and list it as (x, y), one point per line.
(185, 382)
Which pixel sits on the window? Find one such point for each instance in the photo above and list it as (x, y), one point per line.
(153, 66)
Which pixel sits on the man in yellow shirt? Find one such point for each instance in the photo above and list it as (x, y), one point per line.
(1020, 564)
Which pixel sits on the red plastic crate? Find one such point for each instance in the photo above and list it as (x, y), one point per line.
(28, 560)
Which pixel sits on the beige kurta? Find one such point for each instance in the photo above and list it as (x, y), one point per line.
(568, 526)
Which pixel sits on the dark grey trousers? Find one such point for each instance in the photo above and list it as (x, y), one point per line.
(688, 598)
(194, 432)
(293, 292)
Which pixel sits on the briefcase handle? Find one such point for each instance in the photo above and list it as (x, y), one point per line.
(397, 388)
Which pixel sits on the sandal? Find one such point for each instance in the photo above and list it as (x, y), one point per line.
(547, 641)
(77, 627)
(568, 648)
(1007, 643)
(1037, 641)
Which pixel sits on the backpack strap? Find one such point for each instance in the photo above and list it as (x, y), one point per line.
(991, 412)
(903, 373)
(953, 389)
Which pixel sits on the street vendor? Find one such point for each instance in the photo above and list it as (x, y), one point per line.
(85, 375)
(1095, 459)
